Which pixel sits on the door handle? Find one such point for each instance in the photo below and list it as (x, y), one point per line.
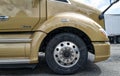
(4, 18)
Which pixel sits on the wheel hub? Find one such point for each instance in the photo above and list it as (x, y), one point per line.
(66, 54)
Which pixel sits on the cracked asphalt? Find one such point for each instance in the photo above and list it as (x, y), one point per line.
(110, 67)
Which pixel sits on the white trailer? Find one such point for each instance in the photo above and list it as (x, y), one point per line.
(112, 26)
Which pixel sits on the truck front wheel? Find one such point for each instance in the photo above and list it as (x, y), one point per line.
(66, 53)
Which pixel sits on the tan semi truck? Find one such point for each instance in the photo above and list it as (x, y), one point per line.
(65, 30)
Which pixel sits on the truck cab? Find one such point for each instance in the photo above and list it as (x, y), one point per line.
(65, 30)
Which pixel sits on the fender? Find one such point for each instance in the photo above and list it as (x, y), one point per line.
(92, 29)
(37, 39)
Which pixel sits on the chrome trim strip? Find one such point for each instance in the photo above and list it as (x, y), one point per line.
(14, 61)
(14, 40)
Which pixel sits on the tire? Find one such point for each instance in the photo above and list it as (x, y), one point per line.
(66, 53)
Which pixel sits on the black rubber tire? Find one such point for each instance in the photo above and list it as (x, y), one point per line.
(66, 37)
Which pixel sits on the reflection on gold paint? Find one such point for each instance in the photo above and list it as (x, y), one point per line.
(12, 7)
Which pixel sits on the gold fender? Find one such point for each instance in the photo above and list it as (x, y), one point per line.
(92, 29)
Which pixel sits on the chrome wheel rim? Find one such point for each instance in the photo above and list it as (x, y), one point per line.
(66, 54)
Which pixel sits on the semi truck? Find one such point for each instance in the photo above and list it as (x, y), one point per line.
(65, 30)
(112, 24)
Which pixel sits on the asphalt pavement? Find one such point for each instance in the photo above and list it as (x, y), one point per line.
(110, 67)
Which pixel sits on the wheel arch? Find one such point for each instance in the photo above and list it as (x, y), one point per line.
(72, 30)
(73, 23)
(92, 29)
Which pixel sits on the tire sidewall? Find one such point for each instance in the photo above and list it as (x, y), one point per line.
(66, 37)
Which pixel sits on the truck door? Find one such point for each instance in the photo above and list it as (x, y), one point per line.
(18, 15)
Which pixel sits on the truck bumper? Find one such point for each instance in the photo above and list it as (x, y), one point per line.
(102, 51)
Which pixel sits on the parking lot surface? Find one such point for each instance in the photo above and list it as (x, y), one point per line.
(110, 67)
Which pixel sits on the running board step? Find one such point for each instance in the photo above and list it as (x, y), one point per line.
(14, 61)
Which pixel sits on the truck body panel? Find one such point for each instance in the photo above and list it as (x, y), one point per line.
(30, 21)
(54, 8)
(78, 21)
(19, 16)
(15, 45)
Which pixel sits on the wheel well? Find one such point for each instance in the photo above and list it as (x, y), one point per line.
(69, 30)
